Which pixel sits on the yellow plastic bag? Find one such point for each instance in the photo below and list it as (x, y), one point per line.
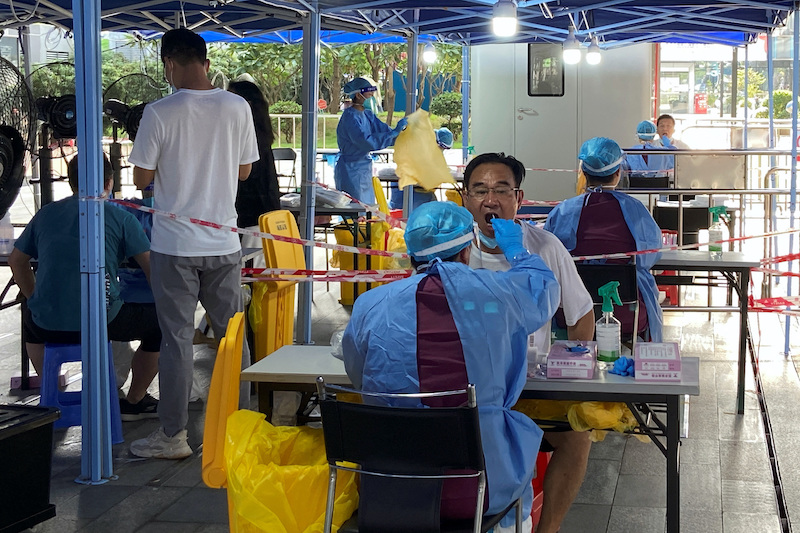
(418, 157)
(278, 478)
(582, 416)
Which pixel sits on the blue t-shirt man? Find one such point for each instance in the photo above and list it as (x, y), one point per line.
(54, 293)
(53, 238)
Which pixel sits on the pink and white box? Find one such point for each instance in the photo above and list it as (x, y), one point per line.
(657, 361)
(564, 362)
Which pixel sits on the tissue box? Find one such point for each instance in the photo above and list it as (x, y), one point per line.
(657, 361)
(562, 363)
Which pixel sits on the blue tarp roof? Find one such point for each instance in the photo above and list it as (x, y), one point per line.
(614, 22)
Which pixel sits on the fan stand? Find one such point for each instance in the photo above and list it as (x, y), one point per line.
(45, 167)
(115, 156)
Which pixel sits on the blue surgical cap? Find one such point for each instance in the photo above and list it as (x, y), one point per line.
(600, 157)
(646, 130)
(438, 229)
(358, 85)
(444, 137)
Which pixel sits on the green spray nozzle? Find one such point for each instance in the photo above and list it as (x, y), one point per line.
(716, 211)
(610, 294)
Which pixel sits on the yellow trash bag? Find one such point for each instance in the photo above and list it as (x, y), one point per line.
(582, 416)
(418, 157)
(278, 478)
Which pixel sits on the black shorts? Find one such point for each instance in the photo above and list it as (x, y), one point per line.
(134, 322)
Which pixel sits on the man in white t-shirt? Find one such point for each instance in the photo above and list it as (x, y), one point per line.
(196, 144)
(492, 189)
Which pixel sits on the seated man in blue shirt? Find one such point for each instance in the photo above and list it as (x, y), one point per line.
(54, 293)
(448, 326)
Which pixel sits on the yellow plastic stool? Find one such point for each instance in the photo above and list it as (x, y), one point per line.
(223, 399)
(272, 307)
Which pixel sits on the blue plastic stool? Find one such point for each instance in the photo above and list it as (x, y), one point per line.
(69, 403)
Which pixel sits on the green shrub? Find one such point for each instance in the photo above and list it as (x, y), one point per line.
(448, 106)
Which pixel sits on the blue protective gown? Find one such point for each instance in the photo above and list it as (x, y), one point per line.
(358, 134)
(563, 222)
(656, 164)
(494, 312)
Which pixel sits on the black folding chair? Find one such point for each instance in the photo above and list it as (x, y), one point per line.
(404, 455)
(286, 154)
(595, 275)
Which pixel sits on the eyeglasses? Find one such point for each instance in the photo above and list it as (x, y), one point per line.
(503, 193)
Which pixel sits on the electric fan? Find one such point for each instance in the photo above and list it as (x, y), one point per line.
(123, 105)
(53, 88)
(17, 132)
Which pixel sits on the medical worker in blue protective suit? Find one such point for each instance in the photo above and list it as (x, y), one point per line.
(449, 325)
(603, 220)
(360, 132)
(444, 140)
(649, 165)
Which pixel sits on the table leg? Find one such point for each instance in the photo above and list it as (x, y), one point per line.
(265, 400)
(744, 281)
(673, 466)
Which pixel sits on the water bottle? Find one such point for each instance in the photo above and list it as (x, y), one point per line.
(6, 235)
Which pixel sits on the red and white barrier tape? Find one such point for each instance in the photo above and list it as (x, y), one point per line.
(259, 234)
(776, 272)
(382, 253)
(780, 259)
(355, 276)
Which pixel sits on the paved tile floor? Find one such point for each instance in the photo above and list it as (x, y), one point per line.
(726, 482)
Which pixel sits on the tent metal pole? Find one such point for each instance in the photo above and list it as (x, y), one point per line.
(96, 457)
(793, 186)
(411, 106)
(772, 159)
(746, 87)
(311, 31)
(465, 88)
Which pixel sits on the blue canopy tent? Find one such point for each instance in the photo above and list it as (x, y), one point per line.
(467, 22)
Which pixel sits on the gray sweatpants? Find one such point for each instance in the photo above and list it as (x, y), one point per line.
(178, 283)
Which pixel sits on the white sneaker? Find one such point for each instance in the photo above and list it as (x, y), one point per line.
(158, 445)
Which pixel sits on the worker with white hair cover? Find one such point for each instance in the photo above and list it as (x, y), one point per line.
(360, 132)
(447, 326)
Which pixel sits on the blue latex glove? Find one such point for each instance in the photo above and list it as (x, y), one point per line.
(401, 125)
(665, 141)
(623, 367)
(508, 235)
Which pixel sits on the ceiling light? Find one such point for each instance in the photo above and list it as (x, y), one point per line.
(429, 53)
(504, 18)
(593, 54)
(572, 48)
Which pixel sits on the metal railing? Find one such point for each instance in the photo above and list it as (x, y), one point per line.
(287, 130)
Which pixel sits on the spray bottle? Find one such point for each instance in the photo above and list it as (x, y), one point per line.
(607, 329)
(716, 230)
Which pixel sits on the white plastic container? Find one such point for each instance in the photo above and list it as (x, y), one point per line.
(6, 235)
(609, 343)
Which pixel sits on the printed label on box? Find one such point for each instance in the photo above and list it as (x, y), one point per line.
(646, 375)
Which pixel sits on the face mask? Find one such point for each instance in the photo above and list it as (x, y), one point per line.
(371, 104)
(489, 242)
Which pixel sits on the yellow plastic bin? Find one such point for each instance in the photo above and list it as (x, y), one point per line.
(344, 235)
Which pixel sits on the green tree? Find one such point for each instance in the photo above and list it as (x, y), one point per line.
(288, 125)
(448, 105)
(755, 84)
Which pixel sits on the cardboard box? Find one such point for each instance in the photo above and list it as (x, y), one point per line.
(564, 361)
(657, 361)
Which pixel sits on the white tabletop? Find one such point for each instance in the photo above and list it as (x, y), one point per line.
(302, 364)
(704, 260)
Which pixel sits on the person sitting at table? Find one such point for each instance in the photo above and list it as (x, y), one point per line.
(54, 293)
(493, 188)
(444, 140)
(447, 326)
(360, 132)
(637, 161)
(604, 221)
